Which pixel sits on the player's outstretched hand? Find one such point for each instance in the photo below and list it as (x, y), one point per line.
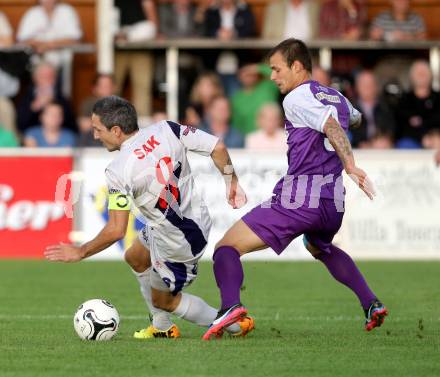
(63, 253)
(235, 194)
(364, 183)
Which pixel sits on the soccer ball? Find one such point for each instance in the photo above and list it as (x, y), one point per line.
(96, 320)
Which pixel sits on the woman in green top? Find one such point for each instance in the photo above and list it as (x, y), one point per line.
(257, 90)
(7, 138)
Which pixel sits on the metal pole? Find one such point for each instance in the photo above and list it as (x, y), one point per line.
(172, 57)
(325, 58)
(434, 61)
(104, 20)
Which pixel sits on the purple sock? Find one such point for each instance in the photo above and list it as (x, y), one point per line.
(228, 273)
(344, 270)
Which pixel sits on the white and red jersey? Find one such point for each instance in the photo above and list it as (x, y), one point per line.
(152, 168)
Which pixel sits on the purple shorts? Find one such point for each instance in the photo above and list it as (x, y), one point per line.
(278, 226)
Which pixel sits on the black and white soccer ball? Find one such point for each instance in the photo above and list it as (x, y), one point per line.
(96, 320)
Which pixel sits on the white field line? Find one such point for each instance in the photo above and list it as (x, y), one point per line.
(276, 318)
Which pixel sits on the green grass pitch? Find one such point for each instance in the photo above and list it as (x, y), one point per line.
(307, 324)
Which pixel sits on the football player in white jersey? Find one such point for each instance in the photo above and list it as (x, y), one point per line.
(152, 172)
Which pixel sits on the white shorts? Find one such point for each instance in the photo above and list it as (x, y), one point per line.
(167, 276)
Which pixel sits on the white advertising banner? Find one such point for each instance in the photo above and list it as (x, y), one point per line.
(403, 222)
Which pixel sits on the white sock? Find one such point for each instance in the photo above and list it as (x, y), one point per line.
(161, 318)
(196, 310)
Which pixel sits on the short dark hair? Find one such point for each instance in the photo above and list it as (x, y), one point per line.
(116, 111)
(294, 49)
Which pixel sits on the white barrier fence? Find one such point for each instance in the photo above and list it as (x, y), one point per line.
(403, 222)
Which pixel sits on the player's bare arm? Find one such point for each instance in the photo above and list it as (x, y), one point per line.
(235, 195)
(113, 231)
(338, 139)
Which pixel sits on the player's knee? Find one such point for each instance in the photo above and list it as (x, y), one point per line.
(136, 263)
(231, 245)
(312, 249)
(220, 244)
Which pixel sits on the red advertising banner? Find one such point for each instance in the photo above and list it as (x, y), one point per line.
(30, 218)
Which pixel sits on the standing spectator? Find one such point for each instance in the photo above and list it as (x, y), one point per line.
(103, 86)
(257, 89)
(271, 134)
(342, 19)
(181, 19)
(418, 110)
(291, 18)
(218, 123)
(50, 133)
(9, 85)
(377, 118)
(43, 91)
(230, 19)
(398, 24)
(6, 36)
(178, 19)
(48, 27)
(206, 88)
(138, 20)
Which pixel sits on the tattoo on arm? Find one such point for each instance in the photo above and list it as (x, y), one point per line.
(338, 139)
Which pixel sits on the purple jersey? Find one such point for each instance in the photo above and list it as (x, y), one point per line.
(314, 167)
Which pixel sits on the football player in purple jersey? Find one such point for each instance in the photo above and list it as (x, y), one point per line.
(309, 199)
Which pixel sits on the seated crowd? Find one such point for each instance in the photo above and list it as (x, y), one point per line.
(231, 96)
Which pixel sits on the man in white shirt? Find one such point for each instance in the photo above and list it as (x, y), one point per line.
(152, 172)
(291, 18)
(9, 85)
(48, 27)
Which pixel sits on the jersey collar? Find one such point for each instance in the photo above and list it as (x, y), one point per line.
(130, 140)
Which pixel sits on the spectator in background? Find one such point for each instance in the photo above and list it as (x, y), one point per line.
(398, 24)
(342, 19)
(229, 20)
(270, 134)
(7, 138)
(377, 126)
(178, 19)
(205, 89)
(218, 123)
(419, 110)
(321, 75)
(42, 91)
(383, 140)
(291, 19)
(103, 86)
(50, 133)
(49, 27)
(182, 19)
(6, 35)
(257, 89)
(138, 21)
(9, 85)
